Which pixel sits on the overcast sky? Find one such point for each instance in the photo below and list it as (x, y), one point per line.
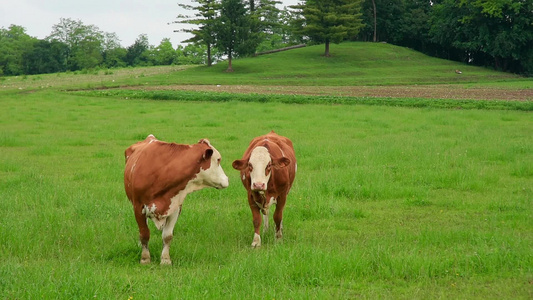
(127, 18)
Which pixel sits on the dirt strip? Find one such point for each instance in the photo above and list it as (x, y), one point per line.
(427, 91)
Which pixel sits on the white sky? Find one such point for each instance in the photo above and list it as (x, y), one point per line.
(127, 18)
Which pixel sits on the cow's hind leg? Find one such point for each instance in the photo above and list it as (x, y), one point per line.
(144, 235)
(168, 234)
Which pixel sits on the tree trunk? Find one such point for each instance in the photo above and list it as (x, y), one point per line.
(375, 20)
(209, 62)
(229, 69)
(326, 53)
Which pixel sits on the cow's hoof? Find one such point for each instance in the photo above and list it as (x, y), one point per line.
(166, 262)
(145, 261)
(279, 235)
(256, 242)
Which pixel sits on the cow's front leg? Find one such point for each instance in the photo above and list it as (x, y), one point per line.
(278, 216)
(256, 214)
(168, 234)
(144, 235)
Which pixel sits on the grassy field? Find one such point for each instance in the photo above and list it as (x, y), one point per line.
(389, 202)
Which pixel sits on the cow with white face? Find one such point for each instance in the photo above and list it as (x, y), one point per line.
(158, 176)
(268, 168)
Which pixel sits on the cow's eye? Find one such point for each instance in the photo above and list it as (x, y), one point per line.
(267, 169)
(218, 161)
(250, 167)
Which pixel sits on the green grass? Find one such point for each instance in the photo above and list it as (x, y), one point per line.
(389, 202)
(397, 198)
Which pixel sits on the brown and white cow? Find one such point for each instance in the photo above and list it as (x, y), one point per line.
(158, 176)
(267, 168)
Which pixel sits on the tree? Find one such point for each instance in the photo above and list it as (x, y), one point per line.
(205, 19)
(375, 20)
(114, 55)
(138, 53)
(233, 31)
(165, 53)
(264, 22)
(115, 58)
(381, 23)
(496, 33)
(14, 43)
(87, 54)
(45, 57)
(326, 21)
(86, 43)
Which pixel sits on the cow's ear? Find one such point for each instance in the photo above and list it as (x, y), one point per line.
(128, 152)
(208, 153)
(281, 163)
(239, 164)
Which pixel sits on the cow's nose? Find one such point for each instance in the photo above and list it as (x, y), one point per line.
(258, 186)
(225, 183)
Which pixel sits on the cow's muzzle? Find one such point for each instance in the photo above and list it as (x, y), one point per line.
(258, 186)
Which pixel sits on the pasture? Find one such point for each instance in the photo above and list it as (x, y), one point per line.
(388, 202)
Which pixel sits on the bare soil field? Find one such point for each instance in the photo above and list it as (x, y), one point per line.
(426, 91)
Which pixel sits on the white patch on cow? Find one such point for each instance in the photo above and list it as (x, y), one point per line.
(168, 233)
(214, 176)
(259, 159)
(243, 177)
(279, 233)
(149, 212)
(272, 201)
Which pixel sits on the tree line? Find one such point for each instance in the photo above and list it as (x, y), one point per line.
(74, 46)
(491, 33)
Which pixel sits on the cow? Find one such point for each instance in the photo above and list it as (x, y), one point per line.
(157, 178)
(267, 170)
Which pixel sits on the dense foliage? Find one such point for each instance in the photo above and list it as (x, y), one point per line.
(491, 33)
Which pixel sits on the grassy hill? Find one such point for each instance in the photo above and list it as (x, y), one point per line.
(351, 64)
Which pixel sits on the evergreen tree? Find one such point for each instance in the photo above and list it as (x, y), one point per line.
(233, 31)
(326, 21)
(205, 20)
(264, 22)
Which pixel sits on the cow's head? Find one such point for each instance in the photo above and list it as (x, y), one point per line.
(259, 167)
(211, 173)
